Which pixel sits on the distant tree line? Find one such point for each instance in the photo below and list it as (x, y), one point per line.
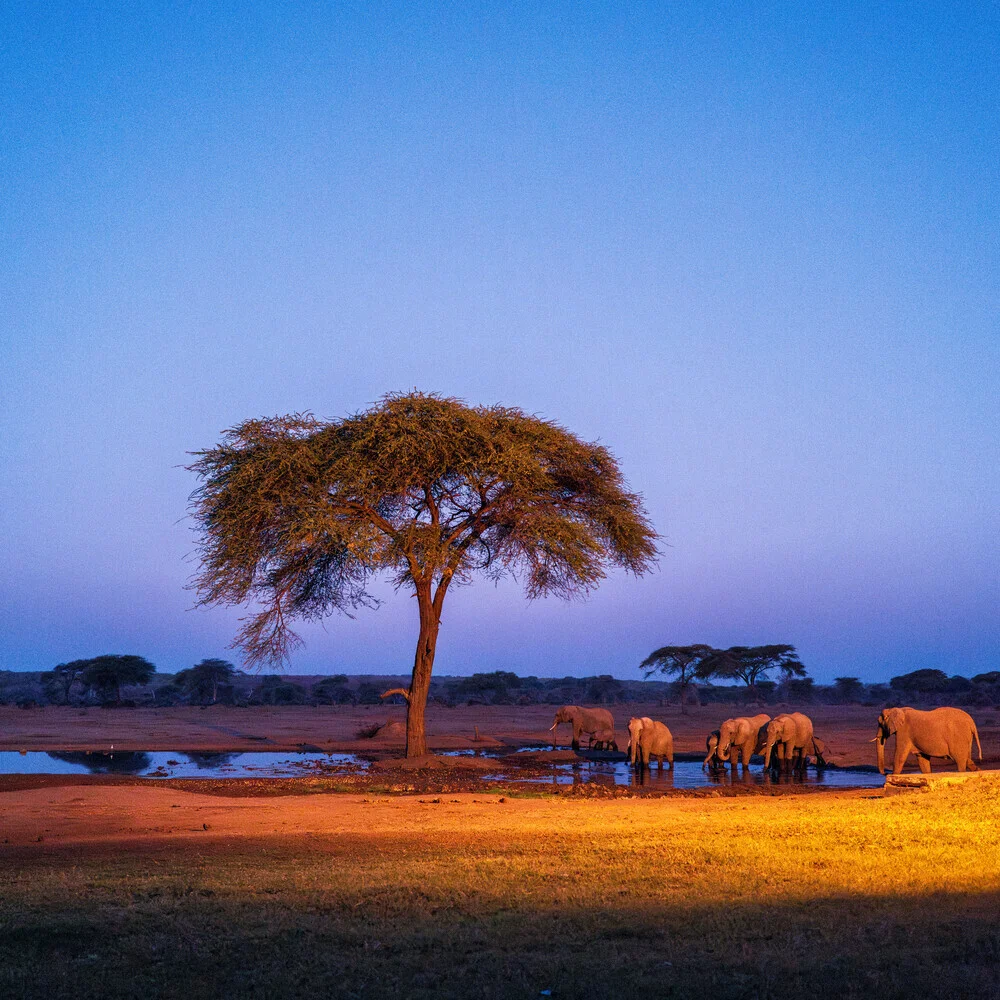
(126, 681)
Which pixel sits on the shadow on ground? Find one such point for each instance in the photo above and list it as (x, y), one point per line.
(311, 918)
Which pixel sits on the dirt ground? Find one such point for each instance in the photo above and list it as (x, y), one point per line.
(847, 730)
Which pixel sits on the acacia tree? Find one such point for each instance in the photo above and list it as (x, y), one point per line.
(684, 663)
(753, 663)
(111, 672)
(205, 677)
(299, 514)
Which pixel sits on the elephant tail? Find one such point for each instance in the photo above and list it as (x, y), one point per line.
(975, 732)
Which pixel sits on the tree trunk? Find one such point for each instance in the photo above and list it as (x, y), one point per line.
(420, 682)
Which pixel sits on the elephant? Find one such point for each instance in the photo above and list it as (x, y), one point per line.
(792, 733)
(597, 723)
(819, 749)
(712, 758)
(650, 739)
(941, 732)
(634, 728)
(742, 736)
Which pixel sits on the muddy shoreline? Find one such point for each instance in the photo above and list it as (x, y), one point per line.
(847, 730)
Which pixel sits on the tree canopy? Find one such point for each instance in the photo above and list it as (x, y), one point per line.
(299, 514)
(108, 674)
(203, 679)
(751, 664)
(684, 663)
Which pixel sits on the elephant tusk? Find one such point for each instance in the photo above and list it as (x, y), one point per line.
(553, 726)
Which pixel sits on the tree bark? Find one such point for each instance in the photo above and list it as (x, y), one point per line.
(420, 682)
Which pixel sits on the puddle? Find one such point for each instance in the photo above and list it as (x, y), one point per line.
(167, 764)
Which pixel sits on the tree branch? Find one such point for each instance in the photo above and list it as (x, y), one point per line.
(392, 691)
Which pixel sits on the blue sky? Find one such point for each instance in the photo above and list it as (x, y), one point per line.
(752, 248)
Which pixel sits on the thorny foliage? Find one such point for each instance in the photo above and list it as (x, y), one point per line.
(752, 663)
(299, 514)
(683, 662)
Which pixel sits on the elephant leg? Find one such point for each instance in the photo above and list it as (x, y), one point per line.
(924, 762)
(903, 748)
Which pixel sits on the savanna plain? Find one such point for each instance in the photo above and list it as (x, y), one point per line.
(436, 886)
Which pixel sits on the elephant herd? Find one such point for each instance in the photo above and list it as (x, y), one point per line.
(786, 741)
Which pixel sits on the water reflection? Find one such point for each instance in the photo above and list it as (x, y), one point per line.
(211, 761)
(125, 762)
(163, 764)
(691, 774)
(160, 764)
(647, 777)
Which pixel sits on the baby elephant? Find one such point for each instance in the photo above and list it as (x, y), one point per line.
(712, 759)
(650, 739)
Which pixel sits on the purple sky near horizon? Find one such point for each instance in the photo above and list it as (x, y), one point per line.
(751, 248)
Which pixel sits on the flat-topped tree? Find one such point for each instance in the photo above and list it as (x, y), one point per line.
(298, 514)
(753, 663)
(684, 663)
(110, 673)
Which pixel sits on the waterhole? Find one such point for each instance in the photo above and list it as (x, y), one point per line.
(608, 771)
(170, 764)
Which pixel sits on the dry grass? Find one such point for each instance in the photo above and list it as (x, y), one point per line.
(844, 895)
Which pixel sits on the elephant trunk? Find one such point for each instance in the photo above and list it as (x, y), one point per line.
(880, 750)
(768, 746)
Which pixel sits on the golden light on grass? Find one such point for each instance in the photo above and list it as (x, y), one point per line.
(467, 895)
